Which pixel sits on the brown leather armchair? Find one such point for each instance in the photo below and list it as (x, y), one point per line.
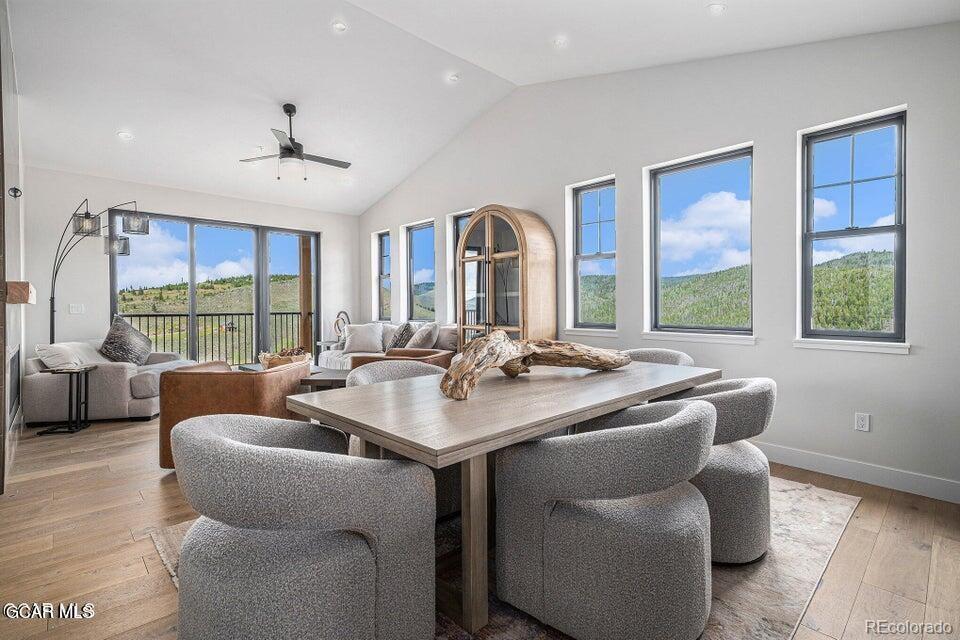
(438, 357)
(213, 387)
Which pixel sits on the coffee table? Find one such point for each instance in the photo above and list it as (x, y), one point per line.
(322, 378)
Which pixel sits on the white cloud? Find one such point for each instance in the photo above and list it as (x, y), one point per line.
(422, 275)
(820, 257)
(884, 221)
(824, 208)
(716, 228)
(161, 258)
(596, 268)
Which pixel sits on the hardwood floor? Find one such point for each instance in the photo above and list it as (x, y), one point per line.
(76, 518)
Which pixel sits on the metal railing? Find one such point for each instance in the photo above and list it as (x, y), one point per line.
(219, 336)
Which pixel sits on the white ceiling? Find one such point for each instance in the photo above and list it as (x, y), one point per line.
(200, 83)
(514, 38)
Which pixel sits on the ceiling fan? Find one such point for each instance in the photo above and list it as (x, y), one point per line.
(291, 151)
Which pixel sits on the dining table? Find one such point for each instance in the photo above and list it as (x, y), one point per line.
(411, 417)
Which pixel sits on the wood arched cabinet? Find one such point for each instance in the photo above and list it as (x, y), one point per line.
(506, 275)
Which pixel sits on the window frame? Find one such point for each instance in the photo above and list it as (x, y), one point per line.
(898, 228)
(381, 276)
(430, 224)
(261, 275)
(600, 255)
(455, 221)
(685, 165)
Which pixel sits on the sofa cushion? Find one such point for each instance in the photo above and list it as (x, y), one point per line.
(364, 337)
(125, 344)
(425, 337)
(58, 355)
(334, 359)
(146, 383)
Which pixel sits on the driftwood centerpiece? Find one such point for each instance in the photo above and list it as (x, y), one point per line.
(517, 356)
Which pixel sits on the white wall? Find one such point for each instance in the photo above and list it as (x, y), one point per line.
(543, 137)
(53, 195)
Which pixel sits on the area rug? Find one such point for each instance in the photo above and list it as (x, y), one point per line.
(760, 601)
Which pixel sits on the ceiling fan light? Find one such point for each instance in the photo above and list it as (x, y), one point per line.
(291, 167)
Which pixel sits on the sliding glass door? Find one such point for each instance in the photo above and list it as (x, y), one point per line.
(291, 291)
(218, 291)
(224, 321)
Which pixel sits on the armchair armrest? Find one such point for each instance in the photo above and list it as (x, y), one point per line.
(158, 357)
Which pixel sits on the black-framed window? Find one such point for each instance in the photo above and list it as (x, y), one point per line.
(595, 255)
(702, 274)
(460, 222)
(383, 276)
(216, 290)
(421, 272)
(854, 231)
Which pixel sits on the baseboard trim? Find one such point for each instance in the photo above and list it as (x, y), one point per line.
(889, 477)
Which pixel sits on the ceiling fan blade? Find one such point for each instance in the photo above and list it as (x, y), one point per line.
(283, 139)
(329, 161)
(260, 158)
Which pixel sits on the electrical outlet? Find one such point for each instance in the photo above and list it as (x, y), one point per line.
(861, 421)
(76, 309)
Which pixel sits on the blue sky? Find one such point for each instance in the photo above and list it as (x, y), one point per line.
(422, 248)
(705, 218)
(162, 257)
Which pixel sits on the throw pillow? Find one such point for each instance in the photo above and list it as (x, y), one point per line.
(363, 338)
(389, 331)
(447, 338)
(425, 337)
(125, 344)
(56, 356)
(402, 337)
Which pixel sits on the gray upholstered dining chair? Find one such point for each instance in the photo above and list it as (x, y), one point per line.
(447, 479)
(298, 540)
(601, 535)
(736, 479)
(660, 356)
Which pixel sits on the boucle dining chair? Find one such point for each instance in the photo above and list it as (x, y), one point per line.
(447, 479)
(736, 479)
(297, 539)
(660, 356)
(601, 535)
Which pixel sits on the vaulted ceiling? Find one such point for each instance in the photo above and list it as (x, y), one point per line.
(200, 84)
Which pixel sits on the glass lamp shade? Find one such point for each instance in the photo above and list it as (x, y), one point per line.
(116, 245)
(85, 224)
(136, 223)
(291, 167)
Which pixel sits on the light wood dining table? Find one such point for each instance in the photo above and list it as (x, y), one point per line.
(412, 418)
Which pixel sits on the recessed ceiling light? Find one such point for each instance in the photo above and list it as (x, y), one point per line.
(453, 78)
(124, 135)
(717, 8)
(561, 42)
(339, 26)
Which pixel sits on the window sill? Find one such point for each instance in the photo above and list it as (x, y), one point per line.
(717, 338)
(865, 346)
(586, 331)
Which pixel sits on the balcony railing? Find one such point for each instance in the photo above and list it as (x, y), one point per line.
(219, 336)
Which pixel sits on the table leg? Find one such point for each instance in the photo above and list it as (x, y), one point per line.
(366, 449)
(473, 510)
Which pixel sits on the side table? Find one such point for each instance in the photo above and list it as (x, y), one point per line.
(78, 400)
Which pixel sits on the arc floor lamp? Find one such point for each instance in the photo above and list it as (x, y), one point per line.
(87, 225)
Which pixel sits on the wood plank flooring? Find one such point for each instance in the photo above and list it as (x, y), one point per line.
(76, 519)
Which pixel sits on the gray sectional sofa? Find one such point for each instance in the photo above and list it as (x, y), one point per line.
(117, 389)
